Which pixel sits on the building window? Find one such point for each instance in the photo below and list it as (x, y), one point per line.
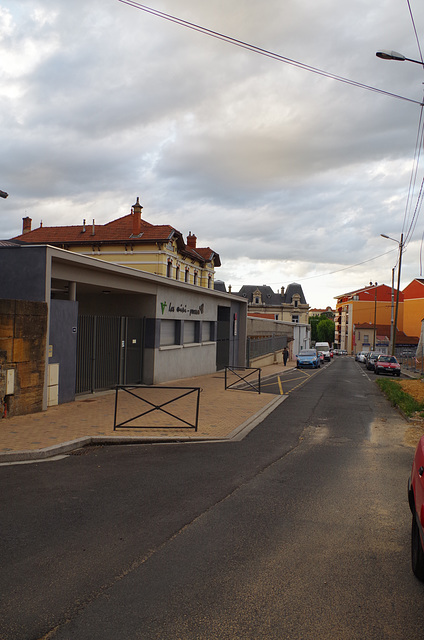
(177, 273)
(296, 302)
(195, 278)
(209, 332)
(209, 282)
(256, 300)
(366, 339)
(168, 332)
(169, 269)
(191, 331)
(186, 275)
(295, 318)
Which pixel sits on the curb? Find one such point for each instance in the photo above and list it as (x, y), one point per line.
(237, 434)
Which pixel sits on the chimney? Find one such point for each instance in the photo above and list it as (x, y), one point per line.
(93, 230)
(191, 240)
(26, 225)
(136, 213)
(229, 288)
(83, 226)
(282, 290)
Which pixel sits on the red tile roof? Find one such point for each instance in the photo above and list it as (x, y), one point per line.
(118, 231)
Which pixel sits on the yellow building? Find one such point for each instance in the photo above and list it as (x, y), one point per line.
(131, 241)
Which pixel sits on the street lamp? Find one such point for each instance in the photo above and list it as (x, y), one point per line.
(385, 54)
(400, 243)
(395, 55)
(3, 194)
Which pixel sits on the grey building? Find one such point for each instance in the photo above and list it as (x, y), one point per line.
(288, 305)
(109, 324)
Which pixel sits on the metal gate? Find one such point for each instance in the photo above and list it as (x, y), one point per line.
(109, 352)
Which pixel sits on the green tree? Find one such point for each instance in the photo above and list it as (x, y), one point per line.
(313, 321)
(325, 330)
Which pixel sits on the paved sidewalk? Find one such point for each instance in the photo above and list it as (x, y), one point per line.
(223, 414)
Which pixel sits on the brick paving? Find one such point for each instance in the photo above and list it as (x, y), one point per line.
(222, 414)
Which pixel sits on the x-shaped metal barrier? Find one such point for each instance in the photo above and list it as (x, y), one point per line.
(240, 378)
(185, 391)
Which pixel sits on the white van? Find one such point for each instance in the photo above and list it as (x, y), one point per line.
(324, 347)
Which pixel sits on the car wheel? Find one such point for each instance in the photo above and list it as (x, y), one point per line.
(398, 373)
(376, 371)
(417, 552)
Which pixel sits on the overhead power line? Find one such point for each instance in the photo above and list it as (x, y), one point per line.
(262, 52)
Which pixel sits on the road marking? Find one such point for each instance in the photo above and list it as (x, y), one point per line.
(307, 377)
(280, 386)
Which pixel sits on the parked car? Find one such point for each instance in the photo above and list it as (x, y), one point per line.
(321, 356)
(370, 361)
(360, 356)
(387, 364)
(308, 358)
(416, 503)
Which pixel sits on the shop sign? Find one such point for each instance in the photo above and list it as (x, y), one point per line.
(169, 307)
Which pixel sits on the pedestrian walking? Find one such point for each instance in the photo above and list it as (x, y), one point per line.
(285, 355)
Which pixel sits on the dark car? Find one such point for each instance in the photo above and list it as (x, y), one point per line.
(371, 359)
(387, 364)
(416, 503)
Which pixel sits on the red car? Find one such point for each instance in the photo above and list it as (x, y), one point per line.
(416, 503)
(387, 364)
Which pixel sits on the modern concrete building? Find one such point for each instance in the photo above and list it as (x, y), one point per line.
(109, 324)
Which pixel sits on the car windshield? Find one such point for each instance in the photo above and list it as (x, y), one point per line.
(387, 359)
(308, 352)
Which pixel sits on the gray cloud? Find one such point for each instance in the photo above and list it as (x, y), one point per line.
(287, 174)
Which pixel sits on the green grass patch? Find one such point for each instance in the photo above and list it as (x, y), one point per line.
(399, 398)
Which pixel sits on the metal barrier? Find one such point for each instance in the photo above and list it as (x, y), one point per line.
(243, 379)
(262, 345)
(412, 364)
(184, 392)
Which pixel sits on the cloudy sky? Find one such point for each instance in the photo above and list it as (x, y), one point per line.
(289, 175)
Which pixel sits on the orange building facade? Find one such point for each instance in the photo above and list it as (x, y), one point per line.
(371, 304)
(413, 311)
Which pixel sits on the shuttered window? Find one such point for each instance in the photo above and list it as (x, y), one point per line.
(189, 331)
(167, 332)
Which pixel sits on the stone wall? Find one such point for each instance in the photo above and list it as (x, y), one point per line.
(23, 330)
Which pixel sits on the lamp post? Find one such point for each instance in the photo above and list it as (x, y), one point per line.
(400, 243)
(3, 194)
(385, 54)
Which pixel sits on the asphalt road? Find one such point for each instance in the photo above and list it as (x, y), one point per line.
(299, 531)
